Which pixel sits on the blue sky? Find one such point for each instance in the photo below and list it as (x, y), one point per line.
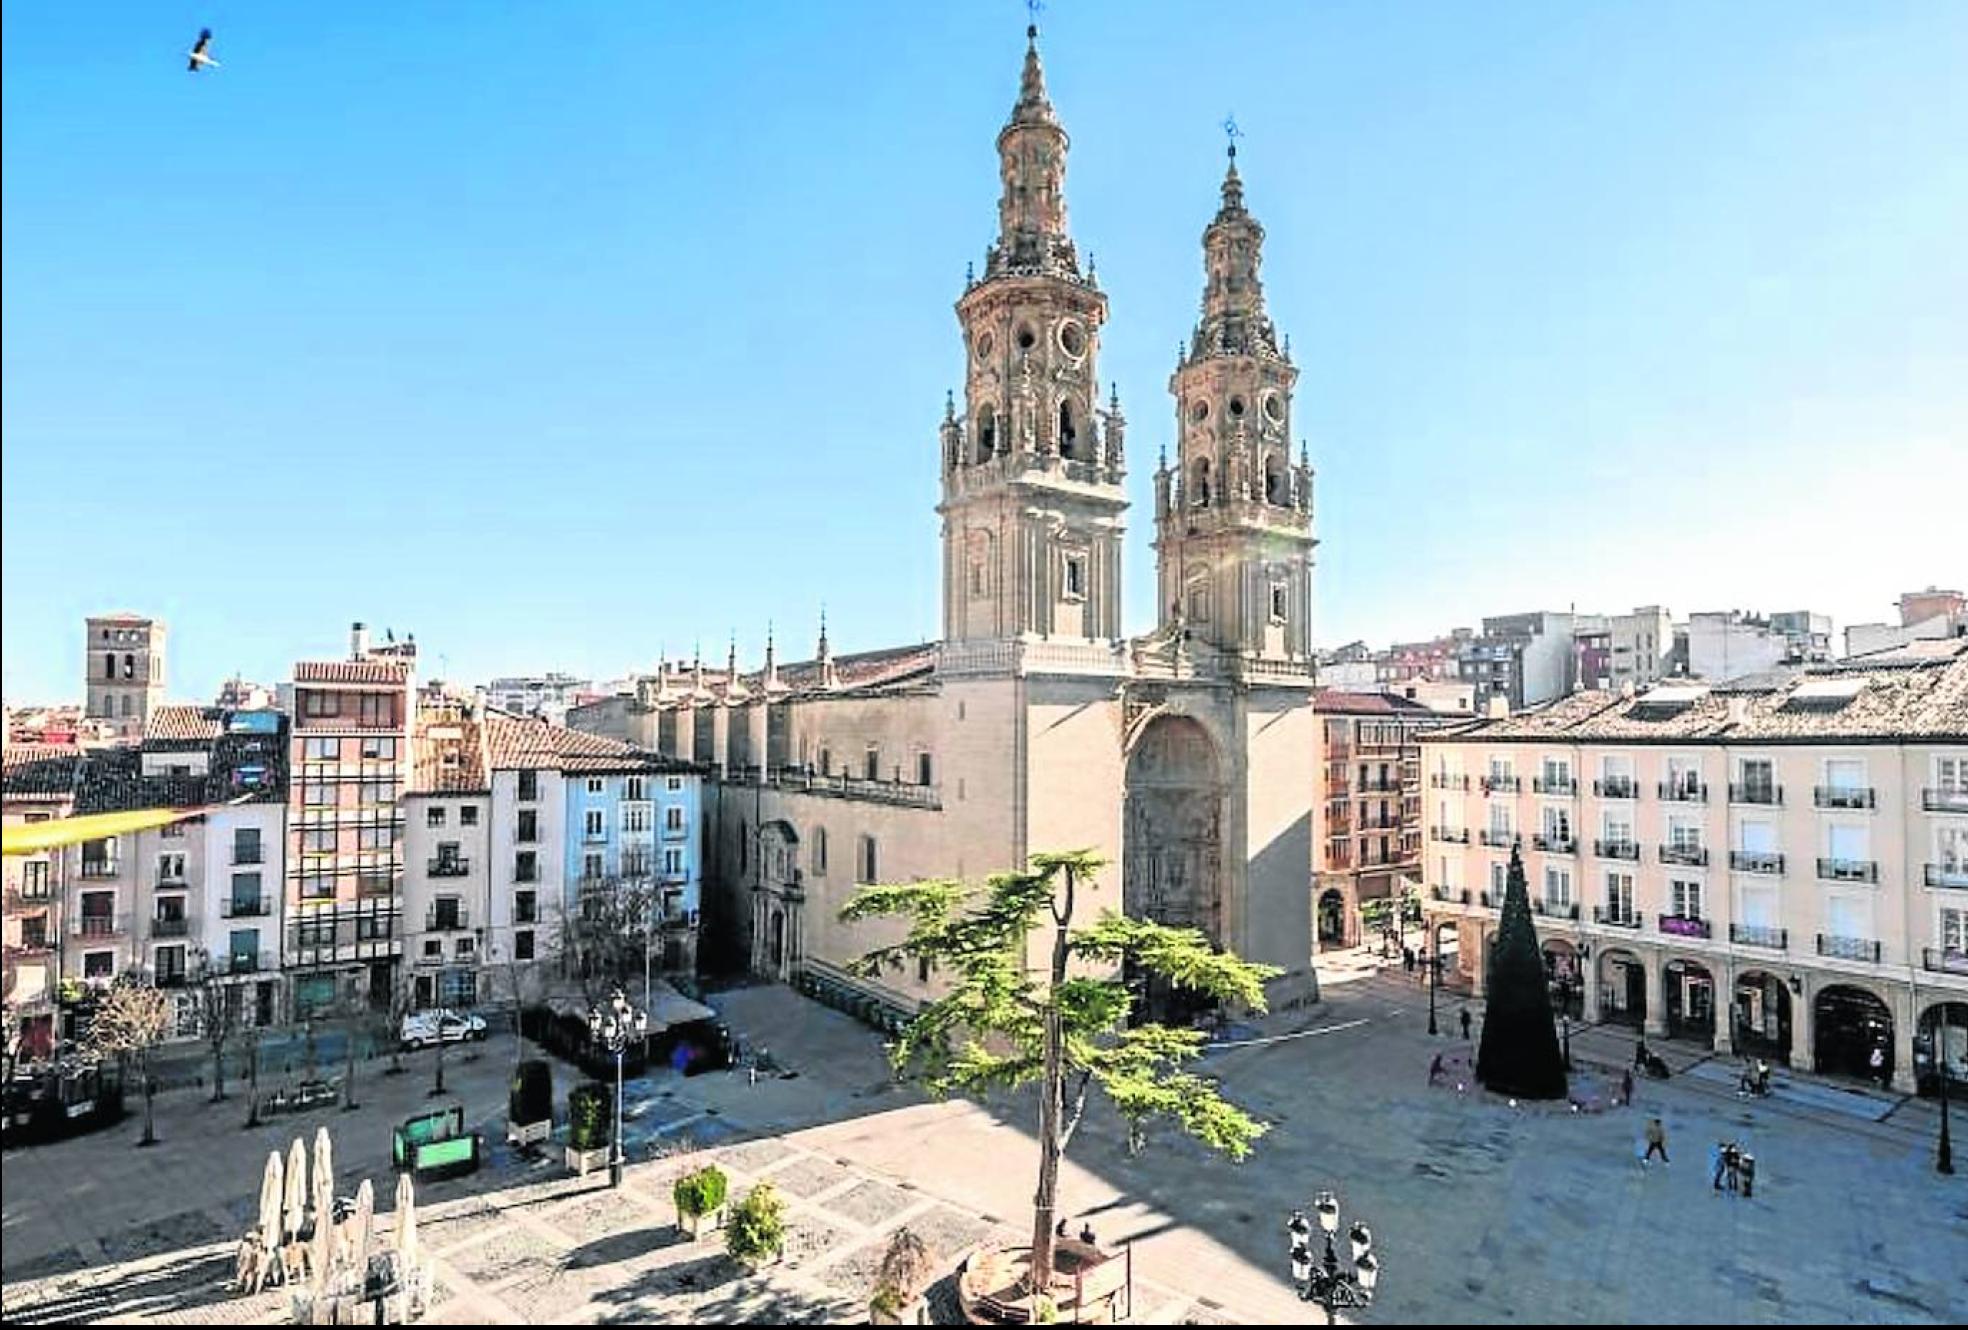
(562, 334)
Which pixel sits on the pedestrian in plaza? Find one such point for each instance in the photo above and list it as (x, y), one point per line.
(1746, 1166)
(1878, 1065)
(1435, 1069)
(1656, 1141)
(1626, 1086)
(1732, 1166)
(1717, 1162)
(1465, 1022)
(1408, 959)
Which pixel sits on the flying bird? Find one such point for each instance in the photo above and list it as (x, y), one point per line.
(199, 59)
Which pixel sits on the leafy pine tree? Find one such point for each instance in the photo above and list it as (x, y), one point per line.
(1001, 1025)
(1519, 1053)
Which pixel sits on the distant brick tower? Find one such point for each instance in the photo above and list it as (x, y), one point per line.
(1032, 485)
(123, 668)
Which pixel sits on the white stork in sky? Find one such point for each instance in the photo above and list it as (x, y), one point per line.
(199, 59)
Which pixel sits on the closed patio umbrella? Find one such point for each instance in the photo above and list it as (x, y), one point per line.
(406, 1224)
(321, 1253)
(295, 1182)
(361, 1228)
(270, 1197)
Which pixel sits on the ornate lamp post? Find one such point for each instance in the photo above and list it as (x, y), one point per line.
(1944, 1155)
(1325, 1281)
(1434, 976)
(614, 1024)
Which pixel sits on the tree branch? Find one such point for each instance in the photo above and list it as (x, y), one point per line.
(1079, 1110)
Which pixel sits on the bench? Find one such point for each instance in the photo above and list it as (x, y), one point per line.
(436, 1144)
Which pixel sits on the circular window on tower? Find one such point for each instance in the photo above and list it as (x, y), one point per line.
(1199, 410)
(1072, 339)
(985, 345)
(1274, 408)
(1027, 339)
(1236, 406)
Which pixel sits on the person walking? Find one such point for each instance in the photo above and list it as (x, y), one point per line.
(1747, 1167)
(1732, 1165)
(1656, 1141)
(1878, 1065)
(1435, 1069)
(1465, 1022)
(1640, 1052)
(1407, 959)
(1626, 1086)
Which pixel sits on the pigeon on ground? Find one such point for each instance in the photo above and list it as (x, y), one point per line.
(199, 59)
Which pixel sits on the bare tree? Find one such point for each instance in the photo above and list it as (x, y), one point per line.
(602, 939)
(131, 1019)
(218, 1020)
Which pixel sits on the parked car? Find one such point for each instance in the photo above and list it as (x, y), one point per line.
(424, 1028)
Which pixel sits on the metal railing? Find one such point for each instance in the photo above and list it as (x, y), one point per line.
(249, 962)
(1941, 875)
(1842, 796)
(1443, 781)
(445, 921)
(1941, 961)
(1616, 787)
(1498, 840)
(1758, 935)
(1617, 849)
(1695, 855)
(1680, 793)
(1555, 909)
(245, 857)
(1506, 784)
(1453, 835)
(1848, 870)
(1849, 948)
(240, 907)
(1605, 914)
(1756, 793)
(98, 925)
(1554, 785)
(1944, 801)
(1681, 925)
(448, 866)
(1756, 861)
(166, 926)
(101, 867)
(1555, 844)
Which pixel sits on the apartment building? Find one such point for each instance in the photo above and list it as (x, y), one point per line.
(447, 871)
(1525, 659)
(39, 786)
(1780, 871)
(1734, 644)
(351, 760)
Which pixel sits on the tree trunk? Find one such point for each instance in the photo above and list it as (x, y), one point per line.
(218, 1071)
(150, 1125)
(253, 1080)
(439, 1087)
(348, 1074)
(1052, 1095)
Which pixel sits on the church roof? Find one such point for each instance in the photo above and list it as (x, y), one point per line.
(527, 742)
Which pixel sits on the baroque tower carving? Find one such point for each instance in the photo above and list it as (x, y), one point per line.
(1032, 470)
(1233, 515)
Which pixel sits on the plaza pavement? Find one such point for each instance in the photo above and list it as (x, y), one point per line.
(1481, 1212)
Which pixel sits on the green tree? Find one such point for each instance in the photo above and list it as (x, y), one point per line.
(1000, 1026)
(1519, 1051)
(131, 1019)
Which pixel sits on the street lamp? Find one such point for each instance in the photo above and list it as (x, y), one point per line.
(1944, 1155)
(1434, 976)
(613, 1024)
(1326, 1282)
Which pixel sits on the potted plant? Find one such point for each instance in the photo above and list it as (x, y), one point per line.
(756, 1231)
(905, 1268)
(529, 1103)
(588, 1130)
(699, 1200)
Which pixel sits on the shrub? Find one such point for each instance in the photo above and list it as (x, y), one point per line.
(757, 1231)
(905, 1265)
(886, 1303)
(700, 1193)
(1044, 1310)
(588, 1127)
(531, 1097)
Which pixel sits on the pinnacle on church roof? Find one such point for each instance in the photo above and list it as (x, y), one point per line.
(1233, 190)
(1033, 106)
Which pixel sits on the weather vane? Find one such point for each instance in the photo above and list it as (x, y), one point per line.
(1032, 8)
(1231, 132)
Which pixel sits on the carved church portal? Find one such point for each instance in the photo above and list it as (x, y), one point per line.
(1173, 850)
(778, 905)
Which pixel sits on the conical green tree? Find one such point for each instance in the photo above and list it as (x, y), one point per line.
(1519, 1053)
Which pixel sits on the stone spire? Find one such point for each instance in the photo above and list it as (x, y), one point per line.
(824, 657)
(772, 683)
(1032, 166)
(1234, 322)
(1033, 106)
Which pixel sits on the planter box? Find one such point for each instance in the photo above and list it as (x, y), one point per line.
(581, 1161)
(913, 1313)
(698, 1225)
(528, 1133)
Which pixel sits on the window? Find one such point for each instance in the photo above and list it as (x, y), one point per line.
(594, 824)
(434, 816)
(1687, 897)
(317, 840)
(1199, 603)
(635, 861)
(673, 783)
(463, 946)
(1619, 898)
(129, 672)
(1499, 882)
(867, 860)
(317, 794)
(34, 881)
(321, 750)
(925, 769)
(1075, 576)
(596, 785)
(375, 836)
(526, 866)
(1684, 834)
(672, 862)
(638, 789)
(246, 845)
(1759, 780)
(1558, 887)
(1845, 776)
(468, 815)
(317, 887)
(529, 786)
(872, 763)
(1953, 931)
(922, 969)
(1847, 843)
(317, 703)
(170, 867)
(1951, 776)
(523, 945)
(525, 907)
(1280, 602)
(376, 709)
(98, 965)
(373, 792)
(1558, 825)
(434, 948)
(529, 826)
(1619, 828)
(636, 818)
(673, 820)
(378, 748)
(1499, 824)
(594, 867)
(819, 851)
(174, 831)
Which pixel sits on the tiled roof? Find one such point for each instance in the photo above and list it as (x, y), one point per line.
(179, 722)
(1913, 700)
(1338, 701)
(41, 771)
(351, 671)
(526, 742)
(450, 758)
(863, 671)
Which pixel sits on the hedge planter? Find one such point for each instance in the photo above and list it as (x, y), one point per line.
(700, 1199)
(756, 1233)
(529, 1104)
(588, 1128)
(583, 1162)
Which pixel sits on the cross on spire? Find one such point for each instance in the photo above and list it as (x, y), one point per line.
(1231, 132)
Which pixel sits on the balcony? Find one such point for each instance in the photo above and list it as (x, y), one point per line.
(1498, 840)
(1556, 909)
(448, 866)
(1616, 787)
(1841, 796)
(1944, 801)
(171, 881)
(243, 907)
(170, 979)
(249, 962)
(98, 925)
(1554, 785)
(1682, 792)
(1849, 948)
(29, 894)
(1947, 875)
(1611, 918)
(1756, 861)
(1757, 793)
(101, 867)
(446, 921)
(1379, 787)
(1757, 935)
(1502, 784)
(1443, 781)
(1491, 900)
(1695, 856)
(248, 856)
(1555, 844)
(1452, 835)
(180, 926)
(804, 781)
(1617, 849)
(1848, 870)
(1680, 925)
(1941, 961)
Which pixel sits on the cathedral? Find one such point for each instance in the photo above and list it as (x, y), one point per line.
(1187, 756)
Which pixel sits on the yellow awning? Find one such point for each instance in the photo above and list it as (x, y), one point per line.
(34, 837)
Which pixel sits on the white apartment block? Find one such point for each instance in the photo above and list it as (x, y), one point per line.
(1781, 872)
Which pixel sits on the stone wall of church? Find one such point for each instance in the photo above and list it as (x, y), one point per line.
(1281, 774)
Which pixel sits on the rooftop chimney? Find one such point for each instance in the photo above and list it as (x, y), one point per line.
(358, 640)
(1497, 707)
(1738, 709)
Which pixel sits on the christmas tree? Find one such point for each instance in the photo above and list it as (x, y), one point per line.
(1519, 1054)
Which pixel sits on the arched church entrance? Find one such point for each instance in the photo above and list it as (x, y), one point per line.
(1172, 851)
(778, 905)
(1332, 917)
